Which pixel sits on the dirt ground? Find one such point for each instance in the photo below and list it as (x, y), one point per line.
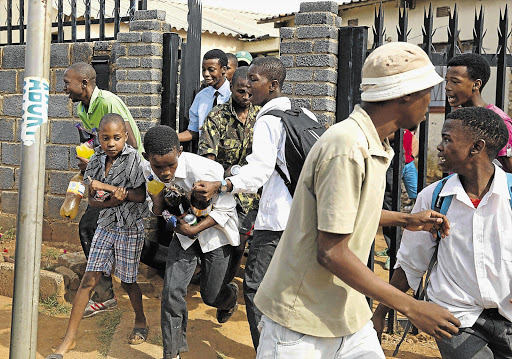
(207, 338)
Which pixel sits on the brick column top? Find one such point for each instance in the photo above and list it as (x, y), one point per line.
(310, 53)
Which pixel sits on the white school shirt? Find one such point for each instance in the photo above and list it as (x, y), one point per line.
(474, 269)
(192, 168)
(203, 103)
(268, 145)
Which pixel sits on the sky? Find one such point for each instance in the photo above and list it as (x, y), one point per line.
(273, 7)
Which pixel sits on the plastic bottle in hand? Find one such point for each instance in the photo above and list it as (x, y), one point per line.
(154, 186)
(85, 150)
(74, 194)
(87, 140)
(176, 201)
(200, 209)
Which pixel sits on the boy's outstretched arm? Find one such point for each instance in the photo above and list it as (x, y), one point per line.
(335, 255)
(429, 221)
(399, 281)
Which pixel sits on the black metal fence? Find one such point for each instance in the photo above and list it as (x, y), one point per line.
(352, 53)
(183, 59)
(92, 12)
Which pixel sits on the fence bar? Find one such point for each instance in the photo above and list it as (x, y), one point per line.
(427, 31)
(9, 22)
(378, 28)
(87, 20)
(117, 20)
(478, 32)
(60, 19)
(501, 76)
(398, 166)
(171, 44)
(192, 60)
(73, 20)
(22, 21)
(102, 20)
(132, 7)
(183, 114)
(31, 189)
(353, 42)
(143, 4)
(453, 37)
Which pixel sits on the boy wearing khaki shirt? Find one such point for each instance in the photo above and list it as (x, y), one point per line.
(313, 295)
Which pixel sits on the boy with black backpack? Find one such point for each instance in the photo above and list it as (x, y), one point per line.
(473, 272)
(265, 80)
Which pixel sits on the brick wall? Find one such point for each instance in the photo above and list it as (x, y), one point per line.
(310, 53)
(136, 73)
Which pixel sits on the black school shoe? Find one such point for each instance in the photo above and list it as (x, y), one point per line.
(223, 315)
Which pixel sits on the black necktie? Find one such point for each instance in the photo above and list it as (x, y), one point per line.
(215, 96)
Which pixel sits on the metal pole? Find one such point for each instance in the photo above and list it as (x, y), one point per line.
(171, 44)
(31, 189)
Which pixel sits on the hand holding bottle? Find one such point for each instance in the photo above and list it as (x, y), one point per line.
(187, 229)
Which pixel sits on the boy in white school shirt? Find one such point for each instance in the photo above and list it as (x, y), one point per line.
(474, 269)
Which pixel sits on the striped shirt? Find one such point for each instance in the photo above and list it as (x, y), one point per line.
(126, 172)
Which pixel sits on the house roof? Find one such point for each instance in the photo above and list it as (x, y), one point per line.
(220, 21)
(347, 4)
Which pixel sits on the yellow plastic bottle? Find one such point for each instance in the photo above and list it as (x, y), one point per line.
(74, 194)
(85, 150)
(154, 186)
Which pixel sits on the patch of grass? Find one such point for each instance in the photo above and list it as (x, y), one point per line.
(50, 255)
(156, 340)
(107, 323)
(8, 235)
(50, 306)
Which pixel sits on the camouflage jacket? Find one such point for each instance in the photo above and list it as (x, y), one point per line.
(230, 141)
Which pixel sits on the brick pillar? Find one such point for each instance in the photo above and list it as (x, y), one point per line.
(310, 53)
(138, 73)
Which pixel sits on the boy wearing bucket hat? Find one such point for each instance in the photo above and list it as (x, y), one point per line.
(313, 294)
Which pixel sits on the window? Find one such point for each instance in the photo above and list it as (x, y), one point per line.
(443, 11)
(353, 22)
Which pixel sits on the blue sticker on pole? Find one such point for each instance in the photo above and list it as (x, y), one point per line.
(36, 91)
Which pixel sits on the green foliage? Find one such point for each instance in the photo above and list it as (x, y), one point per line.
(107, 323)
(8, 235)
(50, 306)
(156, 340)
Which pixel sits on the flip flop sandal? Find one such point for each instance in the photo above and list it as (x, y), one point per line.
(138, 336)
(55, 356)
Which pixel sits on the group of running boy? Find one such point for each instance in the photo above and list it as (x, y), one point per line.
(306, 276)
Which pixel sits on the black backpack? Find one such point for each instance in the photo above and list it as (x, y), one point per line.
(301, 134)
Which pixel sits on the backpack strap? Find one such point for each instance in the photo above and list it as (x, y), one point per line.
(285, 179)
(280, 114)
(441, 205)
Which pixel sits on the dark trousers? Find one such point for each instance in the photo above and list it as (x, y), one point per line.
(490, 337)
(262, 250)
(388, 203)
(86, 228)
(180, 267)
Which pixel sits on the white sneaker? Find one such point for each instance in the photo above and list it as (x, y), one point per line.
(96, 307)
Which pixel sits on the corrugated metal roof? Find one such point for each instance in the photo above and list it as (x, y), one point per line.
(346, 4)
(215, 20)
